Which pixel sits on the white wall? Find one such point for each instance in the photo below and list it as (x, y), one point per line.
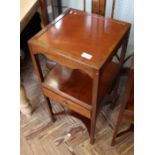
(124, 10)
(77, 4)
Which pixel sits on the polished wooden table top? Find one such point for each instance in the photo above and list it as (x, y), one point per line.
(77, 33)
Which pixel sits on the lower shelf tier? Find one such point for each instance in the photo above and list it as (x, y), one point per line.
(76, 85)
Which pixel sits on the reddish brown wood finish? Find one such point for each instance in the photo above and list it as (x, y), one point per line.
(44, 13)
(78, 83)
(68, 103)
(126, 114)
(113, 9)
(52, 6)
(99, 7)
(84, 5)
(93, 34)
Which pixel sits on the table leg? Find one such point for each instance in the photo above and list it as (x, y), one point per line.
(94, 103)
(25, 106)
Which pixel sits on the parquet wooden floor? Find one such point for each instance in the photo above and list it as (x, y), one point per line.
(68, 135)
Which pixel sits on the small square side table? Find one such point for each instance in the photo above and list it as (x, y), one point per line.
(83, 46)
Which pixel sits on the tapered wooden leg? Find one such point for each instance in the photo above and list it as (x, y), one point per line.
(25, 106)
(92, 130)
(115, 132)
(118, 123)
(37, 66)
(49, 108)
(94, 104)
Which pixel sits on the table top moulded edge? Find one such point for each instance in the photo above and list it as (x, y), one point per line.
(88, 68)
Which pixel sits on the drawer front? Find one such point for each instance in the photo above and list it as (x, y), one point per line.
(67, 103)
